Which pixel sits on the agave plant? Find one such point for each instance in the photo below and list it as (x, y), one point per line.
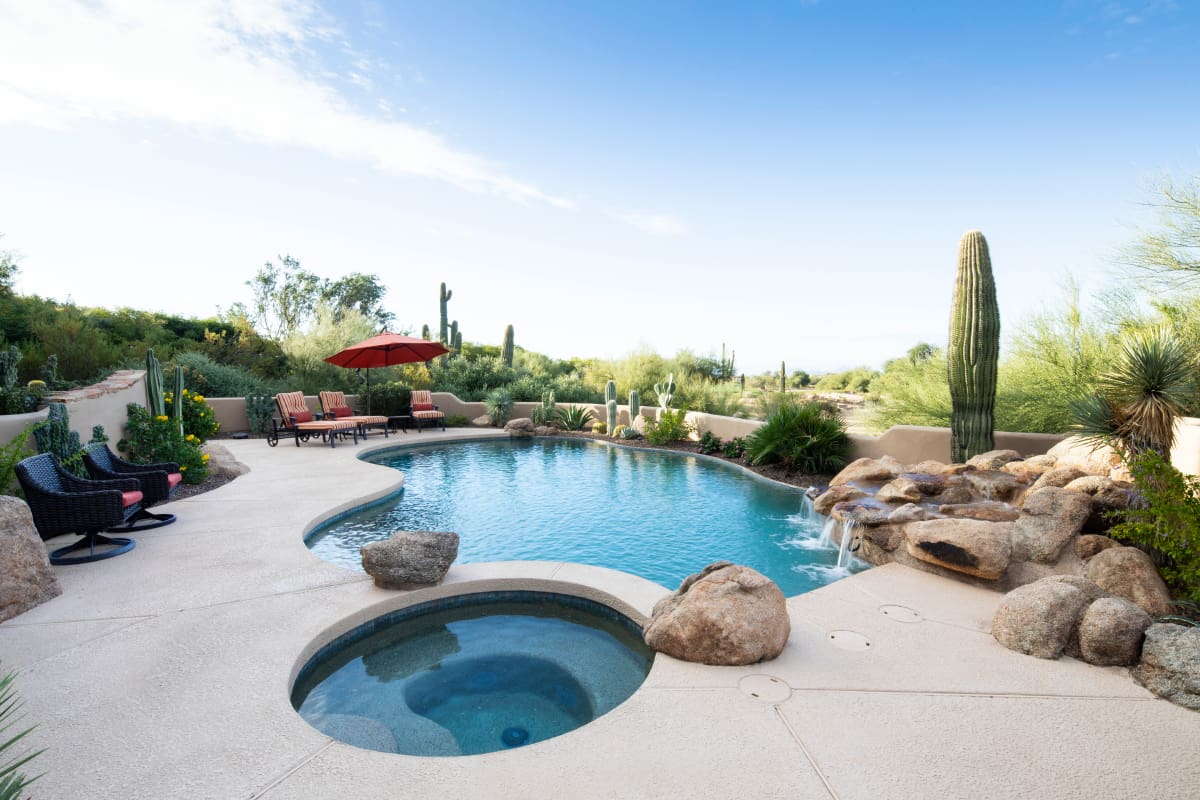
(574, 418)
(1139, 400)
(12, 782)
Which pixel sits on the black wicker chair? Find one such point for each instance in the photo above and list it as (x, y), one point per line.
(157, 482)
(63, 503)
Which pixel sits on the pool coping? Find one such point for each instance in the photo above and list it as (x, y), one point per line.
(181, 655)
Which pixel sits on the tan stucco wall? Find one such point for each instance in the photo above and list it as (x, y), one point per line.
(1186, 453)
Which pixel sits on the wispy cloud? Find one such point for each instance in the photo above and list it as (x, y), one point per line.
(654, 222)
(246, 68)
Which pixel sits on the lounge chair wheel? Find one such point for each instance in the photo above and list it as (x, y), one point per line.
(272, 439)
(91, 541)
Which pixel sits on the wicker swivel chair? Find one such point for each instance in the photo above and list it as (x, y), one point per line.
(63, 503)
(156, 481)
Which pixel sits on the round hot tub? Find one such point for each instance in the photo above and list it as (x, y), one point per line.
(473, 673)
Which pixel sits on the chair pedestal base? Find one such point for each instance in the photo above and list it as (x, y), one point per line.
(90, 542)
(143, 521)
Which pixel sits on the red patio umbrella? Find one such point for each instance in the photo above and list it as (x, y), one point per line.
(386, 350)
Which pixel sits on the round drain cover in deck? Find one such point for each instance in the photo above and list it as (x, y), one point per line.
(900, 613)
(849, 640)
(765, 688)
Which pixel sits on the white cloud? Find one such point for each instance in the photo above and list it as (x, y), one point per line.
(212, 65)
(652, 222)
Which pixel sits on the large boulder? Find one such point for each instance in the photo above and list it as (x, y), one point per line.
(1107, 497)
(868, 470)
(1057, 477)
(909, 512)
(1050, 517)
(1111, 631)
(1089, 544)
(930, 484)
(865, 513)
(520, 428)
(993, 459)
(993, 484)
(1039, 618)
(1025, 471)
(410, 557)
(1092, 459)
(986, 510)
(222, 463)
(973, 547)
(899, 490)
(1128, 572)
(724, 615)
(1170, 665)
(26, 578)
(836, 494)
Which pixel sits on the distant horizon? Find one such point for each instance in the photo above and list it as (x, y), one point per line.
(791, 179)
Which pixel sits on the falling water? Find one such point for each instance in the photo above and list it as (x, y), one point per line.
(849, 534)
(826, 539)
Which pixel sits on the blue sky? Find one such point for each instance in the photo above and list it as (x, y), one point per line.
(788, 178)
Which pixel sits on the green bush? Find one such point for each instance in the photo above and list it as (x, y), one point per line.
(457, 421)
(259, 410)
(735, 448)
(390, 399)
(156, 439)
(669, 427)
(199, 420)
(206, 377)
(1166, 519)
(499, 405)
(10, 454)
(12, 782)
(806, 436)
(709, 443)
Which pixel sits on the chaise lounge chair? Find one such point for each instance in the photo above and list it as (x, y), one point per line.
(157, 482)
(335, 407)
(296, 418)
(63, 503)
(423, 410)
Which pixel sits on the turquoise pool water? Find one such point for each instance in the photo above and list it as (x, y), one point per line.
(655, 514)
(473, 674)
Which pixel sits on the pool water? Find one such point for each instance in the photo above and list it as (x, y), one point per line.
(473, 674)
(656, 514)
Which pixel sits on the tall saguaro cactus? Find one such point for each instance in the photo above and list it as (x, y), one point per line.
(974, 351)
(177, 399)
(783, 376)
(444, 331)
(506, 348)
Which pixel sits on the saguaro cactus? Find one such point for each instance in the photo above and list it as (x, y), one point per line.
(635, 405)
(783, 376)
(610, 391)
(424, 331)
(974, 350)
(177, 401)
(154, 386)
(611, 408)
(506, 347)
(444, 331)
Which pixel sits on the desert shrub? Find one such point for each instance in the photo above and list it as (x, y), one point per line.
(10, 454)
(457, 421)
(471, 379)
(331, 331)
(735, 448)
(630, 433)
(12, 782)
(259, 410)
(390, 399)
(570, 389)
(709, 443)
(1166, 520)
(199, 419)
(671, 426)
(806, 437)
(151, 439)
(499, 406)
(574, 418)
(207, 377)
(544, 413)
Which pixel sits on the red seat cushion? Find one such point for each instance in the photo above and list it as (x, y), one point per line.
(129, 498)
(174, 479)
(422, 406)
(341, 412)
(302, 416)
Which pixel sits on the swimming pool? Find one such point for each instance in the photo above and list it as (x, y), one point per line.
(656, 514)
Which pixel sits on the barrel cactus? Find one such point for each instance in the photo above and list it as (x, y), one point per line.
(974, 351)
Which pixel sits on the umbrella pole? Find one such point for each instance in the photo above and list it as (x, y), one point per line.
(368, 391)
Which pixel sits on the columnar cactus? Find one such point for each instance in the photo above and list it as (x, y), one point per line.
(177, 401)
(9, 362)
(611, 407)
(54, 435)
(635, 405)
(154, 386)
(424, 331)
(506, 347)
(974, 350)
(444, 331)
(665, 391)
(610, 391)
(783, 376)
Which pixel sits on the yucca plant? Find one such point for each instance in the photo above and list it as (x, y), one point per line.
(499, 406)
(1140, 398)
(574, 418)
(805, 436)
(12, 782)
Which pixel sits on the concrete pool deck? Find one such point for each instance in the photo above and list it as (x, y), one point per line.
(165, 673)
